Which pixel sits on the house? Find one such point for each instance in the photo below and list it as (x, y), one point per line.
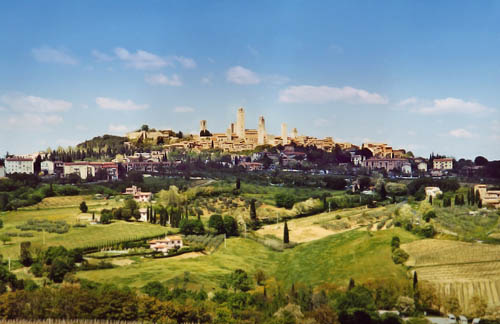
(166, 244)
(2, 171)
(144, 214)
(52, 167)
(384, 163)
(432, 191)
(357, 159)
(488, 197)
(406, 168)
(86, 169)
(252, 166)
(138, 195)
(422, 166)
(442, 164)
(19, 165)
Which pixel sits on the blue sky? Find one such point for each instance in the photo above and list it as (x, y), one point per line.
(420, 75)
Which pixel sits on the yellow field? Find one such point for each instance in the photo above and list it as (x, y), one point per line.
(315, 227)
(458, 268)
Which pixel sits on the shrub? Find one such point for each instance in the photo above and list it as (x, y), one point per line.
(285, 200)
(430, 214)
(399, 256)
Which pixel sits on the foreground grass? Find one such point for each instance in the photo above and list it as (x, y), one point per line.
(361, 255)
(357, 254)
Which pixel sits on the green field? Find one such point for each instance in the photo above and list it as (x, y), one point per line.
(66, 208)
(360, 255)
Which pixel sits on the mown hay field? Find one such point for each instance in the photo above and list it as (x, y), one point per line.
(458, 268)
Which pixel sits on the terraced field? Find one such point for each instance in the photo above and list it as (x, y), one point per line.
(458, 268)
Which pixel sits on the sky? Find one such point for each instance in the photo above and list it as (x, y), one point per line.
(418, 75)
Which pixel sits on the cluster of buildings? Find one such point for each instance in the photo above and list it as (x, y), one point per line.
(83, 169)
(172, 242)
(488, 197)
(138, 194)
(407, 166)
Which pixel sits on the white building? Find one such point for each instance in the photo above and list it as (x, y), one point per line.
(406, 168)
(432, 191)
(47, 167)
(2, 172)
(422, 167)
(19, 165)
(166, 244)
(81, 169)
(144, 214)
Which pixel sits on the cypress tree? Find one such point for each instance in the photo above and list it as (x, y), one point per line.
(238, 184)
(351, 284)
(286, 238)
(478, 198)
(253, 212)
(415, 281)
(430, 200)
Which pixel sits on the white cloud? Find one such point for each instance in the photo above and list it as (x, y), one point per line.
(114, 104)
(21, 102)
(241, 75)
(453, 105)
(118, 129)
(103, 57)
(183, 109)
(325, 94)
(206, 80)
(408, 101)
(461, 133)
(161, 79)
(48, 54)
(32, 120)
(141, 59)
(186, 62)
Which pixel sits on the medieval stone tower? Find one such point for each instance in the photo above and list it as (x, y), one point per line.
(294, 134)
(284, 134)
(261, 131)
(203, 125)
(240, 123)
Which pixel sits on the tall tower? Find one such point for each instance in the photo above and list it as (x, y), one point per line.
(295, 133)
(229, 135)
(284, 134)
(203, 125)
(240, 123)
(261, 131)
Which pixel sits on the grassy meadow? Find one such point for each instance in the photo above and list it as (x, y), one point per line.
(67, 209)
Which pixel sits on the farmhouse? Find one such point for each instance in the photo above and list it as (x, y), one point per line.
(488, 197)
(432, 191)
(166, 244)
(443, 164)
(86, 169)
(139, 196)
(387, 163)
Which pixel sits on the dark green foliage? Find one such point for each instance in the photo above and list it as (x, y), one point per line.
(59, 268)
(285, 200)
(239, 280)
(335, 183)
(429, 215)
(286, 238)
(230, 226)
(238, 184)
(444, 184)
(399, 256)
(39, 225)
(217, 223)
(191, 227)
(253, 212)
(83, 207)
(25, 254)
(395, 242)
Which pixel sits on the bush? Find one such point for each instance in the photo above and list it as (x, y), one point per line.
(430, 214)
(191, 226)
(399, 256)
(285, 200)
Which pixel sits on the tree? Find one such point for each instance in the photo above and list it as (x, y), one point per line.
(25, 254)
(105, 218)
(5, 238)
(395, 242)
(83, 207)
(1, 223)
(58, 269)
(238, 184)
(284, 199)
(239, 280)
(415, 281)
(429, 215)
(480, 161)
(430, 199)
(191, 227)
(145, 128)
(364, 183)
(286, 238)
(253, 212)
(351, 284)
(217, 223)
(230, 226)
